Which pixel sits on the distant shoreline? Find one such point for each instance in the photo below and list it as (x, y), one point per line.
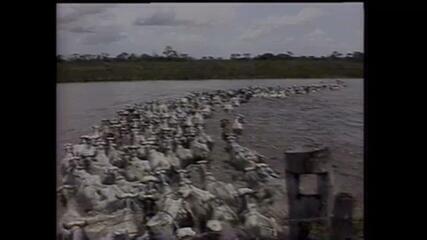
(211, 79)
(206, 70)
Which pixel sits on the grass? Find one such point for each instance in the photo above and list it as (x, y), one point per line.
(322, 233)
(207, 69)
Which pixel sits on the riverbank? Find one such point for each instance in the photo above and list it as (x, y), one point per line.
(207, 69)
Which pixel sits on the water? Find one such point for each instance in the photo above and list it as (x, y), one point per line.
(82, 105)
(334, 118)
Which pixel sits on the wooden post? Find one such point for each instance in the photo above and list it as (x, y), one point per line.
(313, 161)
(342, 221)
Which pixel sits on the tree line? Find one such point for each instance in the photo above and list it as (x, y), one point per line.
(169, 54)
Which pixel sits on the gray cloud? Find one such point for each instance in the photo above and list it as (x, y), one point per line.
(272, 24)
(77, 12)
(163, 18)
(103, 38)
(81, 29)
(318, 35)
(210, 29)
(104, 35)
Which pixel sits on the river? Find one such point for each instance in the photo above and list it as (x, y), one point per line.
(81, 105)
(334, 118)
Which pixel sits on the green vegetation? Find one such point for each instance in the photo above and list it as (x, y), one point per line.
(207, 69)
(175, 66)
(321, 232)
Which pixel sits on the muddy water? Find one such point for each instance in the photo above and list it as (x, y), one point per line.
(334, 118)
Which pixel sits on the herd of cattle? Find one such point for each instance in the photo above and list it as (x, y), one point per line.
(133, 177)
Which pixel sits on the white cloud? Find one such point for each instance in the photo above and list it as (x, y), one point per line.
(318, 35)
(162, 18)
(273, 23)
(105, 35)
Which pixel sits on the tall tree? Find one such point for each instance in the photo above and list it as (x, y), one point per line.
(169, 52)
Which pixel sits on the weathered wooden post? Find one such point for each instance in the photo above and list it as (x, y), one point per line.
(300, 163)
(342, 220)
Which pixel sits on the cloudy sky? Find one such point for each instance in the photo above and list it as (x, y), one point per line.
(210, 29)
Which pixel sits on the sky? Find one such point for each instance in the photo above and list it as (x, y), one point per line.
(210, 29)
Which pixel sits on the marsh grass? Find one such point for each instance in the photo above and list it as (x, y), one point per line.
(207, 69)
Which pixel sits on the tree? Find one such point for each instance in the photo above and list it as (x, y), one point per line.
(145, 56)
(155, 56)
(105, 56)
(122, 56)
(87, 57)
(235, 56)
(335, 54)
(358, 56)
(247, 55)
(184, 56)
(75, 56)
(283, 56)
(169, 52)
(132, 57)
(265, 56)
(60, 58)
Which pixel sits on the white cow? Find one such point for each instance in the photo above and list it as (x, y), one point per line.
(158, 160)
(257, 225)
(185, 155)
